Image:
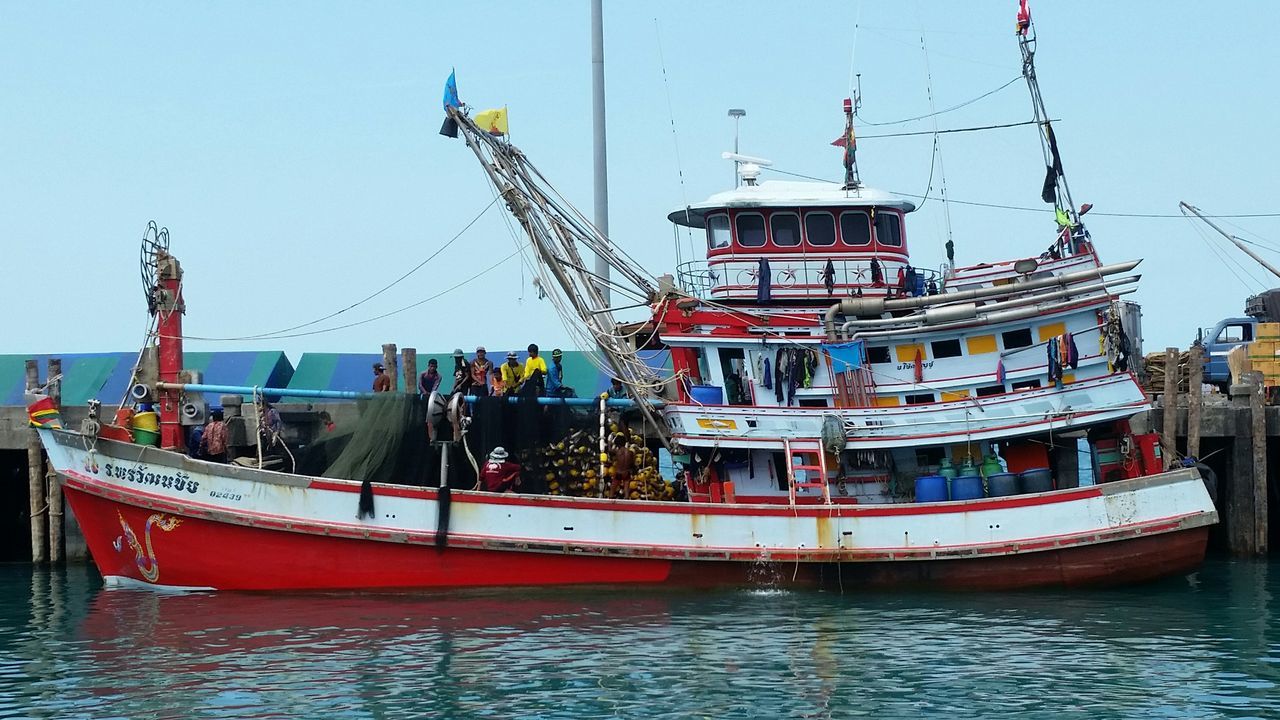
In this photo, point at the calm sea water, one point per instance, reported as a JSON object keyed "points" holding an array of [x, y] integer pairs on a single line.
{"points": [[1208, 646]]}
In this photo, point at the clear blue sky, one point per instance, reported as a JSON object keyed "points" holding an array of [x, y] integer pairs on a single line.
{"points": [[292, 148]]}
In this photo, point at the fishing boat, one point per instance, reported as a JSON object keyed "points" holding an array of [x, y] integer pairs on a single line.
{"points": [[836, 415]]}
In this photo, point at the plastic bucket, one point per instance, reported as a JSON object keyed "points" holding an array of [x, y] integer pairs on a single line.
{"points": [[146, 421], [1036, 481], [967, 487], [1002, 484], [146, 437], [707, 394], [931, 488]]}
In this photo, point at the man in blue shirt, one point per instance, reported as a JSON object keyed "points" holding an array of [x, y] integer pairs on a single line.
{"points": [[555, 375]]}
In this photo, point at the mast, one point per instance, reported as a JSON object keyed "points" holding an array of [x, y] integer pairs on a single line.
{"points": [[1055, 189], [598, 142], [850, 142], [1238, 243]]}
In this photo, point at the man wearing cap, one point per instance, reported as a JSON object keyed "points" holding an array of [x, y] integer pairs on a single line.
{"points": [[381, 380], [555, 376], [479, 371], [461, 373], [497, 475], [535, 372], [511, 374]]}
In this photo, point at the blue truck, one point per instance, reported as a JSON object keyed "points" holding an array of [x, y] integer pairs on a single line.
{"points": [[1227, 334]]}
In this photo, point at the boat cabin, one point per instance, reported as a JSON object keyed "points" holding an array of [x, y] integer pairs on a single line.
{"points": [[818, 240]]}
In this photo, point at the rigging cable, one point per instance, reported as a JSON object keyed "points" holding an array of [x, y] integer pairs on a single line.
{"points": [[937, 149], [393, 283], [1022, 208], [397, 311], [933, 113], [675, 142]]}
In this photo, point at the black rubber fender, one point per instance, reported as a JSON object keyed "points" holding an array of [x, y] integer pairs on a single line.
{"points": [[1210, 479]]}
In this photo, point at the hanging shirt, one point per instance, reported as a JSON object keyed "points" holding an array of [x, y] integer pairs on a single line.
{"points": [[214, 442]]}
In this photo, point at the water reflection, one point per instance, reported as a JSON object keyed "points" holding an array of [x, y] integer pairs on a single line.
{"points": [[1202, 648]]}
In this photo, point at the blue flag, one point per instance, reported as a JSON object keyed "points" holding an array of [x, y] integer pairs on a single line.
{"points": [[451, 92]]}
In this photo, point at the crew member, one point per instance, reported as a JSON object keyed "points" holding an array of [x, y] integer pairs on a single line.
{"points": [[535, 371], [616, 390], [624, 461], [429, 380], [381, 380], [512, 374], [213, 445], [461, 373], [555, 377], [497, 475], [480, 370]]}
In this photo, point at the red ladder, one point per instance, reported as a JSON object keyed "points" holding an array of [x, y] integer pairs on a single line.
{"points": [[816, 467]]}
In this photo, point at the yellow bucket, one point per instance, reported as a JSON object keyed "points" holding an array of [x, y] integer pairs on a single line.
{"points": [[146, 421]]}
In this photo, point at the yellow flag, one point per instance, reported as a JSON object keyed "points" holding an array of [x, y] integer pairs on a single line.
{"points": [[494, 121]]}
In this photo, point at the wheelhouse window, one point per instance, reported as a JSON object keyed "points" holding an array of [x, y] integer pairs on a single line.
{"points": [[1016, 338], [878, 354], [855, 228], [750, 230], [718, 235], [945, 348], [820, 229], [888, 229], [785, 228]]}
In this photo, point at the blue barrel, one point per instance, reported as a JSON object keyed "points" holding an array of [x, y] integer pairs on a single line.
{"points": [[1002, 484], [1035, 481], [931, 488], [707, 394], [967, 487]]}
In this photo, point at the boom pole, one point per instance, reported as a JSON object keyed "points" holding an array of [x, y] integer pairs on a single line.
{"points": [[1238, 243]]}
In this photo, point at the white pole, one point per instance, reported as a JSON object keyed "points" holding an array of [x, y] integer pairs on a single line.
{"points": [[601, 160]]}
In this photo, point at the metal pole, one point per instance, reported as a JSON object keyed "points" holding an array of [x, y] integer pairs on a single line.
{"points": [[601, 159], [1233, 239], [737, 114]]}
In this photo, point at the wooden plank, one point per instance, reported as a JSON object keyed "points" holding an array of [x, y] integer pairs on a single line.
{"points": [[35, 481], [53, 484], [409, 360], [1195, 401], [1258, 423], [1168, 435], [389, 362]]}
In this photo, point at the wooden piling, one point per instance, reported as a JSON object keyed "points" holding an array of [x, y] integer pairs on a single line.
{"points": [[1195, 400], [409, 359], [1168, 435], [35, 481], [1258, 422], [389, 362], [1238, 497], [54, 484]]}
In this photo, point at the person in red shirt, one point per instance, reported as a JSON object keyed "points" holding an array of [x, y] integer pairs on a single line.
{"points": [[381, 380], [213, 444], [497, 475]]}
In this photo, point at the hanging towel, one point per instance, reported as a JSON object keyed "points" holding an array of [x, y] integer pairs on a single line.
{"points": [[829, 277], [1000, 372], [780, 367], [764, 287], [877, 275], [1073, 354], [919, 374]]}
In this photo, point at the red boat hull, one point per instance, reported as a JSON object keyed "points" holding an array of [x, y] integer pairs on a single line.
{"points": [[133, 543]]}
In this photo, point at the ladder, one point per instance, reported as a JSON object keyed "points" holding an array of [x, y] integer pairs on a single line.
{"points": [[816, 467]]}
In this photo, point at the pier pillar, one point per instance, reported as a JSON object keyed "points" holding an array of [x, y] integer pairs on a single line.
{"points": [[1195, 400], [389, 362], [1169, 429], [409, 359], [54, 484], [1258, 426], [35, 480]]}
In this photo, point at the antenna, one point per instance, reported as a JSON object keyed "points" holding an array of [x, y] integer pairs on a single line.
{"points": [[737, 114]]}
